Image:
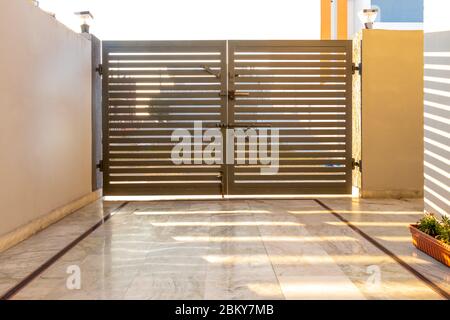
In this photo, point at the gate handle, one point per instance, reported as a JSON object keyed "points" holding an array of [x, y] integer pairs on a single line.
{"points": [[232, 94]]}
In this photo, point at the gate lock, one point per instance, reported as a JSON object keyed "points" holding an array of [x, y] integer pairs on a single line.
{"points": [[232, 94]]}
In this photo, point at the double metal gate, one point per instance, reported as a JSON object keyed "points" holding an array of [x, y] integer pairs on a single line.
{"points": [[299, 89]]}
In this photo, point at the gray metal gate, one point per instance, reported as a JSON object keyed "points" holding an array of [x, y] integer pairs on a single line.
{"points": [[301, 88], [149, 90]]}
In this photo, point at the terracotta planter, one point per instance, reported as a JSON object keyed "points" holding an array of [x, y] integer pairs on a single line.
{"points": [[431, 246]]}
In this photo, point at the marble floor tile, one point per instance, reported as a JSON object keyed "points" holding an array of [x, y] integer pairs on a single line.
{"points": [[22, 259], [387, 221], [235, 249], [314, 287]]}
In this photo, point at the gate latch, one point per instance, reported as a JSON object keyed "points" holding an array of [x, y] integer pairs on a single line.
{"points": [[222, 184], [356, 164], [211, 71], [100, 166]]}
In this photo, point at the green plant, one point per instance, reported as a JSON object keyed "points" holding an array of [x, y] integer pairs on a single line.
{"points": [[446, 222], [444, 236], [435, 228], [430, 225]]}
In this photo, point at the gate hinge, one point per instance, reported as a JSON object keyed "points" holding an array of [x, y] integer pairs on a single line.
{"points": [[100, 166], [356, 164], [357, 68], [99, 69]]}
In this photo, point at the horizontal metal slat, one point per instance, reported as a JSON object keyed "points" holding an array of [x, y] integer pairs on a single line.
{"points": [[311, 139], [165, 109], [163, 47], [309, 161], [173, 169], [147, 148], [165, 79], [160, 139], [306, 125], [255, 109], [162, 117], [171, 64], [286, 64], [259, 116], [289, 177], [143, 95], [310, 94], [161, 126], [290, 56], [299, 102], [162, 159], [305, 131], [315, 57], [311, 155], [164, 103], [195, 57], [161, 69], [167, 188], [144, 160], [281, 169], [161, 72], [299, 86], [282, 142], [134, 163], [317, 47], [305, 72], [318, 148], [149, 133], [185, 179], [132, 87], [156, 157], [324, 79], [143, 140], [282, 133]]}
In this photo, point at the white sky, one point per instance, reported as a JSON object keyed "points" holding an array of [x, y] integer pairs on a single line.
{"points": [[193, 19], [436, 15]]}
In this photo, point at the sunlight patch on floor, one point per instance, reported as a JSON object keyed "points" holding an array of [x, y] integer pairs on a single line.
{"points": [[308, 259], [265, 239]]}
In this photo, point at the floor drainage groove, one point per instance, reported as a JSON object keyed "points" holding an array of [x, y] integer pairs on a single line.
{"points": [[36, 273], [436, 288]]}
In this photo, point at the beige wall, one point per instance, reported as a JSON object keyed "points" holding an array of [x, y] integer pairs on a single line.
{"points": [[392, 113], [45, 115]]}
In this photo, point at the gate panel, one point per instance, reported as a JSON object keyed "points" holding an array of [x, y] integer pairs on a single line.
{"points": [[149, 90], [303, 89]]}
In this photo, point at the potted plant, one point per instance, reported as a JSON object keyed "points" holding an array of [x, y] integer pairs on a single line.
{"points": [[433, 237]]}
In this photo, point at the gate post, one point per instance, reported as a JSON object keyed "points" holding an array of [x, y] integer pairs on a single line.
{"points": [[96, 113]]}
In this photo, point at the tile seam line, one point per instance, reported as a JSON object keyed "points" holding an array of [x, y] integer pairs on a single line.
{"points": [[433, 286], [46, 265], [270, 260]]}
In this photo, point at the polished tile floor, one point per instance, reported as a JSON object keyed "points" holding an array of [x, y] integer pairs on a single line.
{"points": [[234, 249]]}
